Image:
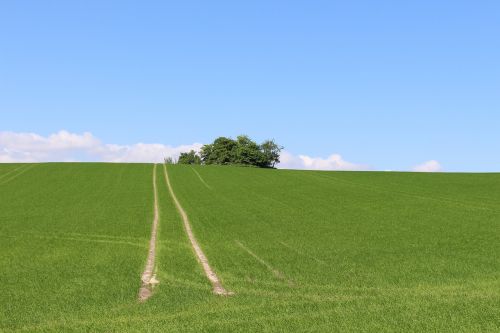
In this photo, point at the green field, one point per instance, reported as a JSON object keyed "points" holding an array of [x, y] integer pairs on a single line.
{"points": [[302, 250]]}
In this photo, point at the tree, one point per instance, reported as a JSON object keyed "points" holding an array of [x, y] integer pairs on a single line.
{"points": [[242, 151], [247, 152], [222, 151], [189, 158], [206, 154], [271, 151]]}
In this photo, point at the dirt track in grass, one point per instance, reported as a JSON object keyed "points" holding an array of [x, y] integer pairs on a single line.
{"points": [[148, 278], [217, 287]]}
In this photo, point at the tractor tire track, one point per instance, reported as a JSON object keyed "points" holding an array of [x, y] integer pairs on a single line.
{"points": [[148, 278], [217, 286], [5, 181], [13, 170], [201, 179], [277, 274]]}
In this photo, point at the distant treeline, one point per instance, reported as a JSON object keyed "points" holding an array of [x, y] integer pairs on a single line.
{"points": [[226, 151]]}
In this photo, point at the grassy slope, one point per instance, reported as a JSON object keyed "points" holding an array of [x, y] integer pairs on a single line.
{"points": [[370, 251], [73, 239]]}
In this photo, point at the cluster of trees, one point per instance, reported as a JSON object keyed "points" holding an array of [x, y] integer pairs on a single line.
{"points": [[242, 151]]}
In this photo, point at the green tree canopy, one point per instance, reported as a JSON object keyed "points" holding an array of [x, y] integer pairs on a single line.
{"points": [[242, 151], [271, 151], [189, 158]]}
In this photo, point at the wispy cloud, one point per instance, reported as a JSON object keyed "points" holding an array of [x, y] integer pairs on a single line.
{"points": [[332, 162], [65, 146], [429, 166]]}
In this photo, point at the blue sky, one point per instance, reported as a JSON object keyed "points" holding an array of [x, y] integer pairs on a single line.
{"points": [[385, 84]]}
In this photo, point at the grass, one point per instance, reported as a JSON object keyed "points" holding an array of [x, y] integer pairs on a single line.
{"points": [[302, 250], [72, 241]]}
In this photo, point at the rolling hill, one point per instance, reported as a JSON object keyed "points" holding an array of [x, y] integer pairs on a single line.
{"points": [[300, 250]]}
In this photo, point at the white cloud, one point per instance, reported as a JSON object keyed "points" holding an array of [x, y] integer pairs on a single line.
{"points": [[333, 162], [59, 141], [65, 146], [143, 152], [429, 166]]}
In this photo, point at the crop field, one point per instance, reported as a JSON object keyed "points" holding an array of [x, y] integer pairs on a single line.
{"points": [[300, 250]]}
